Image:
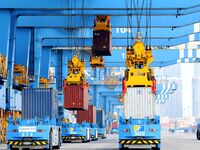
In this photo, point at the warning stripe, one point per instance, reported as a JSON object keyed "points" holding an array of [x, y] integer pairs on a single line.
{"points": [[38, 143], [32, 143], [44, 143], [139, 142], [69, 138]]}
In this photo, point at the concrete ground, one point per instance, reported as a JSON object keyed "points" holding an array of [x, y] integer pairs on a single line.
{"points": [[177, 141]]}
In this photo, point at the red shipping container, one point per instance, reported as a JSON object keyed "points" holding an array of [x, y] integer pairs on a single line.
{"points": [[76, 97], [88, 115], [115, 125]]}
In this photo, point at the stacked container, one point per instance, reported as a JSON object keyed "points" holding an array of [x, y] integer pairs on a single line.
{"points": [[39, 102], [16, 100], [88, 115], [100, 117], [76, 97], [3, 97], [139, 102]]}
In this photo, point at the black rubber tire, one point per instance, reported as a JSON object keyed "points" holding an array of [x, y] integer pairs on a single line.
{"points": [[198, 135]]}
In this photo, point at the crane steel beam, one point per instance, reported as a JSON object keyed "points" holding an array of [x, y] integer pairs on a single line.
{"points": [[171, 22], [64, 4], [118, 42], [45, 62], [23, 46]]}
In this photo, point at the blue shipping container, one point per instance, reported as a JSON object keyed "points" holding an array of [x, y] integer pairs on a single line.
{"points": [[100, 117], [39, 102], [16, 100], [2, 97]]}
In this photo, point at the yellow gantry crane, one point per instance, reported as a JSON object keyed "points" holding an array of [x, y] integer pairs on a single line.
{"points": [[76, 71], [102, 23], [3, 67], [97, 61], [44, 82], [21, 75], [138, 60]]}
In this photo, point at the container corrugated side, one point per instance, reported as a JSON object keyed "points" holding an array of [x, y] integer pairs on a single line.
{"points": [[76, 97], [2, 97], [100, 117], [16, 100], [87, 115], [139, 102], [39, 102]]}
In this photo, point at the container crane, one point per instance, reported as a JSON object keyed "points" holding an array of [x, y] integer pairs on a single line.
{"points": [[102, 41], [44, 82], [21, 75], [97, 61], [140, 126], [76, 74]]}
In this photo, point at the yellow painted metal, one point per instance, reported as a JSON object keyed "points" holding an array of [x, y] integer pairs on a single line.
{"points": [[76, 71], [4, 122], [44, 82], [66, 120], [138, 60], [97, 61], [102, 23], [21, 75], [3, 66]]}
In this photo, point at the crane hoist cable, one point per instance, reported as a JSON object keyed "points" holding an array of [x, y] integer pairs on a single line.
{"points": [[138, 14]]}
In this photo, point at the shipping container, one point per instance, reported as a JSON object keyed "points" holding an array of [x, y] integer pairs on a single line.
{"points": [[16, 100], [115, 124], [87, 115], [102, 43], [39, 102], [2, 97], [139, 102], [76, 97], [100, 117]]}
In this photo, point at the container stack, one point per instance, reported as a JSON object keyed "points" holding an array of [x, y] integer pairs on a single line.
{"points": [[76, 97], [100, 117], [87, 115]]}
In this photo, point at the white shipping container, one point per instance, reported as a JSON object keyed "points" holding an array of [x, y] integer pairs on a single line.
{"points": [[16, 100], [139, 102]]}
